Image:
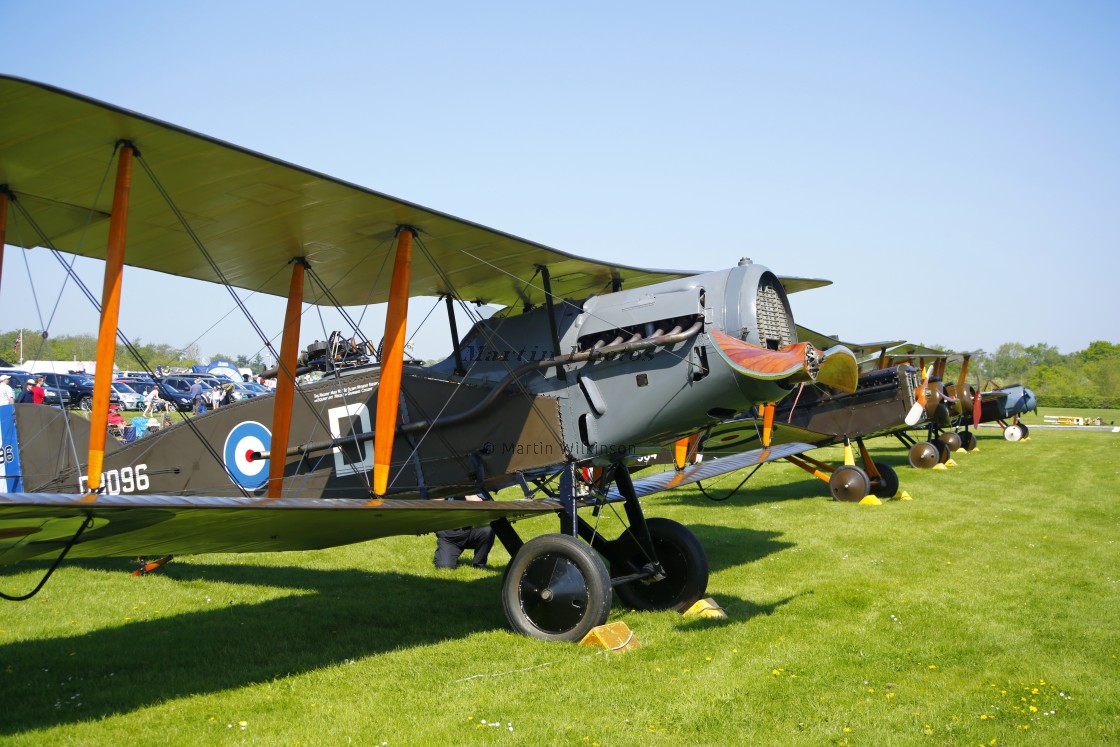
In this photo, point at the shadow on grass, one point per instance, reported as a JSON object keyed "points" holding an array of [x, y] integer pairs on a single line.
{"points": [[334, 616], [727, 547], [330, 617], [730, 490]]}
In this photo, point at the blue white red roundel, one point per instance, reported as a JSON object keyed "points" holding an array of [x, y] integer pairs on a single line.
{"points": [[244, 439]]}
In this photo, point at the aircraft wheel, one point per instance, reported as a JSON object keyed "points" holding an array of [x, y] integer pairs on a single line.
{"points": [[1026, 430], [924, 455], [849, 483], [682, 559], [887, 485], [86, 403], [968, 440], [556, 588], [943, 452], [1013, 432], [951, 439]]}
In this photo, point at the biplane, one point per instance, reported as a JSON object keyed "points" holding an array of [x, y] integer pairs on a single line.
{"points": [[588, 359]]}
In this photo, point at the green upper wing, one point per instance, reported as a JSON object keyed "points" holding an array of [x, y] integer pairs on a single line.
{"points": [[252, 213]]}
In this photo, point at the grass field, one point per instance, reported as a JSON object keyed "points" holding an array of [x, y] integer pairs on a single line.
{"points": [[984, 611]]}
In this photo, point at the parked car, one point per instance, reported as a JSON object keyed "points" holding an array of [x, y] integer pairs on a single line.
{"points": [[77, 387], [128, 398], [139, 383], [244, 391], [176, 390]]}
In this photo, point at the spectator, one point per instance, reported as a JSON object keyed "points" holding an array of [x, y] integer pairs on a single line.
{"points": [[7, 396], [196, 396], [216, 397], [26, 396], [151, 402], [38, 392]]}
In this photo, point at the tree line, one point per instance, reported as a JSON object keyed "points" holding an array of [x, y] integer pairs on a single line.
{"points": [[1088, 378], [147, 355]]}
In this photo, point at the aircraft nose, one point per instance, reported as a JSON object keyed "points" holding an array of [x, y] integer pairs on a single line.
{"points": [[791, 364]]}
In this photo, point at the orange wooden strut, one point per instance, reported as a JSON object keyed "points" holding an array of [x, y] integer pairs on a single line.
{"points": [[768, 410], [392, 363], [285, 382], [110, 312], [680, 452]]}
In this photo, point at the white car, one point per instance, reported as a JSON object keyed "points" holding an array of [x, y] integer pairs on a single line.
{"points": [[127, 397]]}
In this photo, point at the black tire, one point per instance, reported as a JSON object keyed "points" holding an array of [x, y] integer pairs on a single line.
{"points": [[968, 440], [923, 455], [1026, 430], [887, 484], [556, 588], [682, 558], [1013, 432], [86, 403], [943, 452], [849, 483], [951, 439]]}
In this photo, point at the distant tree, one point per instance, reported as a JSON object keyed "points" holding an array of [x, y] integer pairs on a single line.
{"points": [[1041, 354], [1099, 350], [1010, 361]]}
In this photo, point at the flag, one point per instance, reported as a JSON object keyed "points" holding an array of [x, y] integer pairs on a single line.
{"points": [[18, 343]]}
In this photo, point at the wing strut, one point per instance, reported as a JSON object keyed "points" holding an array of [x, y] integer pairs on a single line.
{"points": [[392, 362], [286, 380], [110, 311]]}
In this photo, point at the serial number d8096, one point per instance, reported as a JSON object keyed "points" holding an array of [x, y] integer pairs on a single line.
{"points": [[123, 480]]}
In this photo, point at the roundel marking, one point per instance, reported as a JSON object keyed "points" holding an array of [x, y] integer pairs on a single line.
{"points": [[244, 439], [729, 436]]}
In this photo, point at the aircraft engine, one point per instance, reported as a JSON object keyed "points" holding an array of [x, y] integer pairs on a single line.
{"points": [[643, 366]]}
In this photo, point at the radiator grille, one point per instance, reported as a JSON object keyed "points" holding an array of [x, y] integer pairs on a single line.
{"points": [[775, 328]]}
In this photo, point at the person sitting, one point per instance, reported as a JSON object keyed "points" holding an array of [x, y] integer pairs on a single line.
{"points": [[450, 543]]}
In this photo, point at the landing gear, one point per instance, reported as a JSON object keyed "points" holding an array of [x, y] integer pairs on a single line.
{"points": [[968, 440], [943, 452], [849, 483], [951, 439], [684, 568], [1015, 432], [924, 455], [887, 484], [556, 588]]}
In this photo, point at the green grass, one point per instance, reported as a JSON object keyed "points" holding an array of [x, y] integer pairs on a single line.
{"points": [[941, 620]]}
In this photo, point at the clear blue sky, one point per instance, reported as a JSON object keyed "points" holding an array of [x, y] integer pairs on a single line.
{"points": [[953, 167]]}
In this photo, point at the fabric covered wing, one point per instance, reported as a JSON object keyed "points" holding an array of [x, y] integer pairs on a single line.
{"points": [[39, 525], [709, 468], [253, 213]]}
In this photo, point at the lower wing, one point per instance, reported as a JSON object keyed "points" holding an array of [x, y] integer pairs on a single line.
{"points": [[41, 525], [710, 468]]}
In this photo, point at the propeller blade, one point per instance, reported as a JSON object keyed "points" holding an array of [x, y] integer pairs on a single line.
{"points": [[919, 407]]}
